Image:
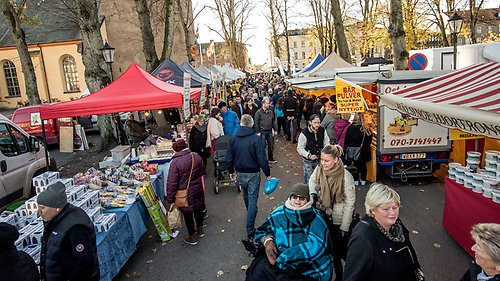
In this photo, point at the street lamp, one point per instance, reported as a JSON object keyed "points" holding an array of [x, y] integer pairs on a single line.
{"points": [[455, 23], [109, 55]]}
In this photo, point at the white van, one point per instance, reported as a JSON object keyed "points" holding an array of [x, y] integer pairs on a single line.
{"points": [[21, 158]]}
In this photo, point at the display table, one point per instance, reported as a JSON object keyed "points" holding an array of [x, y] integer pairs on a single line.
{"points": [[116, 246], [464, 208]]}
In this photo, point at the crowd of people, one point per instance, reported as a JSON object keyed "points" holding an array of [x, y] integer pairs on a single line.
{"points": [[309, 237]]}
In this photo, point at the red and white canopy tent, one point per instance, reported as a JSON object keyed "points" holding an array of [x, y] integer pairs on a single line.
{"points": [[134, 90], [467, 99]]}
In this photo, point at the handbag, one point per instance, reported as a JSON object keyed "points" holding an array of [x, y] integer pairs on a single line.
{"points": [[352, 153], [181, 195], [174, 217]]}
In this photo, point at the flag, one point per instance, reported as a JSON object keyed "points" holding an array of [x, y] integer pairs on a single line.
{"points": [[197, 35], [211, 49]]}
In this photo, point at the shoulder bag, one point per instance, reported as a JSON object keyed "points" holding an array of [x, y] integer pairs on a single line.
{"points": [[181, 196], [352, 152]]}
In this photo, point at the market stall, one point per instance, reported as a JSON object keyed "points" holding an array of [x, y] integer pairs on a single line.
{"points": [[467, 100]]}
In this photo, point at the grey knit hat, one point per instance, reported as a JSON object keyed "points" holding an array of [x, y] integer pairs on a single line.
{"points": [[54, 196], [301, 190]]}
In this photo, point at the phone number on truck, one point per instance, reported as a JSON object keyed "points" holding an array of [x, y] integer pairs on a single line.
{"points": [[417, 141]]}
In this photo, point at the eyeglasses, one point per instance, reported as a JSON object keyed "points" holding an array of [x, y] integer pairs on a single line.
{"points": [[298, 197]]}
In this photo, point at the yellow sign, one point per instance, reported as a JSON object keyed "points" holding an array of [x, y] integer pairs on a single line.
{"points": [[349, 97], [459, 135]]}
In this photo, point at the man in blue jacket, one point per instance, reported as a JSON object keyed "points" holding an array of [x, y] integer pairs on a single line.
{"points": [[246, 155], [231, 120]]}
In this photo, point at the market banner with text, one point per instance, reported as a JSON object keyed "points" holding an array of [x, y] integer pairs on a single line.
{"points": [[349, 97], [465, 119]]}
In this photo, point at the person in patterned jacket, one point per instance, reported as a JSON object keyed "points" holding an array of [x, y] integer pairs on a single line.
{"points": [[296, 241]]}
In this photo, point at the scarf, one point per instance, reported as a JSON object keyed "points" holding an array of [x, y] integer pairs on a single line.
{"points": [[330, 187], [201, 128], [289, 205], [395, 233]]}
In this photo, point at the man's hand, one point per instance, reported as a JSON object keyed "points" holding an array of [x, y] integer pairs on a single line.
{"points": [[271, 252], [269, 177], [274, 133], [258, 134], [314, 157], [233, 176]]}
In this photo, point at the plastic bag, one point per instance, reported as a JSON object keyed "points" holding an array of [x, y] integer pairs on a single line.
{"points": [[271, 185], [174, 217]]}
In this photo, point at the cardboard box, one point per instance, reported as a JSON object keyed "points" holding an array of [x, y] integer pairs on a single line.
{"points": [[45, 178], [104, 222], [9, 217], [120, 152], [31, 205]]}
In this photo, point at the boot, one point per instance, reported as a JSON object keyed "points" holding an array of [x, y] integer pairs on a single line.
{"points": [[191, 240], [199, 231]]}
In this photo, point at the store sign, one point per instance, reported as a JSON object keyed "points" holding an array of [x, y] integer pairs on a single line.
{"points": [[459, 135], [186, 93], [349, 97]]}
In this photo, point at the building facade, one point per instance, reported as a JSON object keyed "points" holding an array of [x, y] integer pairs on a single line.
{"points": [[303, 46]]}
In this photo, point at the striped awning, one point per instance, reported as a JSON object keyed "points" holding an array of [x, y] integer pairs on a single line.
{"points": [[467, 99]]}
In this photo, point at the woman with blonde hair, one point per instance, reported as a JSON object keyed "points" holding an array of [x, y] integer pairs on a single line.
{"points": [[486, 253], [333, 186], [359, 135], [380, 246]]}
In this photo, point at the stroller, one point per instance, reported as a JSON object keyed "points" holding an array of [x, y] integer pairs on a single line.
{"points": [[221, 175]]}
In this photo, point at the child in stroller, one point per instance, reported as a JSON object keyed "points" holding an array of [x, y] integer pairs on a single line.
{"points": [[221, 175]]}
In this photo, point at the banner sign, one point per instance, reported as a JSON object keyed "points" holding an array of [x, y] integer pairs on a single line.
{"points": [[455, 117], [186, 93], [349, 97], [203, 92], [459, 135]]}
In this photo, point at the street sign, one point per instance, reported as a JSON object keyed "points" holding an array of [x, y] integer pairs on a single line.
{"points": [[417, 61]]}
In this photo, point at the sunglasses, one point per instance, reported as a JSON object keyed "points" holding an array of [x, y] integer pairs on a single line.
{"points": [[298, 197]]}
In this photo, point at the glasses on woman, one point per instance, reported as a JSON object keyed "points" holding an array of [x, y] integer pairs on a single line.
{"points": [[298, 197]]}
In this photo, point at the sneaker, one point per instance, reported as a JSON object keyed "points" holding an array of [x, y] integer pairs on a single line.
{"points": [[191, 240], [272, 161], [363, 183], [199, 231], [356, 182]]}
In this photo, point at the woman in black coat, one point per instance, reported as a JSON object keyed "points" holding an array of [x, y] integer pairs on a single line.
{"points": [[380, 246], [359, 134], [14, 264], [198, 139]]}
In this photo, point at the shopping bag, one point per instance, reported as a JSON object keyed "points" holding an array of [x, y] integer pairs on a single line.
{"points": [[270, 185], [174, 217], [352, 153]]}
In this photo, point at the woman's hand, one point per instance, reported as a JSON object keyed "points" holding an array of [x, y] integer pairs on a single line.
{"points": [[271, 252]]}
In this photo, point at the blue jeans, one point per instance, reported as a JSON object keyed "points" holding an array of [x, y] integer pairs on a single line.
{"points": [[268, 139], [250, 184], [291, 128], [309, 167]]}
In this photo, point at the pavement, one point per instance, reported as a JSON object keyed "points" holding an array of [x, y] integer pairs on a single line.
{"points": [[220, 255]]}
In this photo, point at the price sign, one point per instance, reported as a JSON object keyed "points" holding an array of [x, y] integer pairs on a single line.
{"points": [[203, 92], [186, 93]]}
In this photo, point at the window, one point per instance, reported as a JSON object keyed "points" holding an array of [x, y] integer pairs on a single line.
{"points": [[479, 29], [12, 145], [303, 44], [303, 55], [70, 74], [10, 74], [295, 44]]}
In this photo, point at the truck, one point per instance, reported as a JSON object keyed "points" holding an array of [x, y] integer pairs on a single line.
{"points": [[407, 146]]}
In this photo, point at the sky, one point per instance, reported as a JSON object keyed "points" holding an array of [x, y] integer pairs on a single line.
{"points": [[258, 34]]}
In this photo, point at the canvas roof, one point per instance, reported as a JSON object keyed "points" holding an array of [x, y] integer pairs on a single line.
{"points": [[168, 71]]}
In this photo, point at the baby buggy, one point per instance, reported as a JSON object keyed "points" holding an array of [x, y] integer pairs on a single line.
{"points": [[221, 175]]}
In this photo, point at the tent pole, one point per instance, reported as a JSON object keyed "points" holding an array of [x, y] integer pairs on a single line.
{"points": [[47, 161]]}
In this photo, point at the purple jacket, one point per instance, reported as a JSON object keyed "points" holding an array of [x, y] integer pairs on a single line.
{"points": [[340, 131], [178, 176]]}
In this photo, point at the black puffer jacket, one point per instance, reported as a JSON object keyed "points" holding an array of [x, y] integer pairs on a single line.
{"points": [[17, 265]]}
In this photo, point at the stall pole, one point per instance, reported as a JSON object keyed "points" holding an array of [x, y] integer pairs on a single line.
{"points": [[47, 160]]}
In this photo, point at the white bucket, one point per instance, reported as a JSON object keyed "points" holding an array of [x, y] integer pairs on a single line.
{"points": [[469, 183], [491, 155], [490, 183], [477, 188], [478, 178], [487, 192], [474, 156], [490, 165], [495, 194], [491, 174], [460, 174]]}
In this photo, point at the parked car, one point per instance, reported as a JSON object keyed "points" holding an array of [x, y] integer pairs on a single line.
{"points": [[22, 157]]}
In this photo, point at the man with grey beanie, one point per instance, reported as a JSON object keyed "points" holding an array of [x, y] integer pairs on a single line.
{"points": [[69, 250]]}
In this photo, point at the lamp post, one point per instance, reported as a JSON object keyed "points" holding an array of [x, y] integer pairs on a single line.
{"points": [[455, 23], [109, 55]]}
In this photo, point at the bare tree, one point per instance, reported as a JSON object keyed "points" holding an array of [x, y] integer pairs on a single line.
{"points": [[273, 20], [282, 9], [187, 20], [474, 16], [397, 34], [436, 13], [340, 38], [233, 16], [12, 18], [148, 40], [322, 26], [168, 36]]}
